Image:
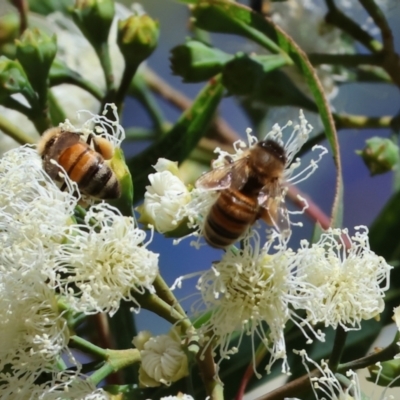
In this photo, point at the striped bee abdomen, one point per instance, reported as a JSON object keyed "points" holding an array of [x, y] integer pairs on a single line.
{"points": [[88, 169], [229, 218]]}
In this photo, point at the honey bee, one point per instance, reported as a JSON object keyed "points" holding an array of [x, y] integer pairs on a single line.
{"points": [[250, 188], [85, 166]]}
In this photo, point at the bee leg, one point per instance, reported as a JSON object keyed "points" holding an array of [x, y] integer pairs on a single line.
{"points": [[63, 187]]}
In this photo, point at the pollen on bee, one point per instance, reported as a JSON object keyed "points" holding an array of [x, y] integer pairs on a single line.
{"points": [[106, 148]]}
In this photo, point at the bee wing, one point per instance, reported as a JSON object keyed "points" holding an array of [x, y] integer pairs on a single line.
{"points": [[233, 175], [273, 208]]}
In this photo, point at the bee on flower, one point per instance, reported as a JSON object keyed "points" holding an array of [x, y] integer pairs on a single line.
{"points": [[241, 188]]}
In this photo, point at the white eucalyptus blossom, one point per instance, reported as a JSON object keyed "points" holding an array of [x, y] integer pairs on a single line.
{"points": [[164, 197], [202, 200], [179, 396], [163, 358], [67, 386], [105, 261], [246, 289], [33, 331], [20, 386], [346, 281], [34, 213]]}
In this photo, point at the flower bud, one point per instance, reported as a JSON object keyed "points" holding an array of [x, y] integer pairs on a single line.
{"points": [[9, 27], [242, 74], [13, 80], [385, 373], [36, 51], [94, 19], [137, 38], [163, 359], [194, 61], [380, 155]]}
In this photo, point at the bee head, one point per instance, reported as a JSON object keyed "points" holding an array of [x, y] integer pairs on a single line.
{"points": [[274, 149]]}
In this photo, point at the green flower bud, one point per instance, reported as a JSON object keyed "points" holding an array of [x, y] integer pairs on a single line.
{"points": [[380, 155], [94, 19], [242, 75], [195, 61], [36, 51], [9, 28], [386, 373], [137, 38], [13, 80]]}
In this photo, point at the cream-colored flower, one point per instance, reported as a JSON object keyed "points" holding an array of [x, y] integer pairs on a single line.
{"points": [[34, 213], [179, 396], [33, 332], [346, 281], [246, 289], [164, 197], [104, 261], [163, 359], [70, 386]]}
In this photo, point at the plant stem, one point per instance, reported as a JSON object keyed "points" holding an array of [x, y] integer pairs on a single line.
{"points": [[127, 77], [138, 88], [292, 389], [259, 356], [23, 8], [14, 132], [103, 52], [344, 121], [379, 18], [116, 361], [208, 372], [87, 347], [123, 330], [386, 354], [158, 306], [78, 81], [219, 130], [313, 211], [165, 293], [346, 60], [337, 18], [391, 59], [338, 347], [57, 114]]}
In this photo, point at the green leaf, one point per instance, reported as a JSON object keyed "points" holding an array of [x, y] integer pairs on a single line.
{"points": [[384, 232], [228, 17], [183, 137]]}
